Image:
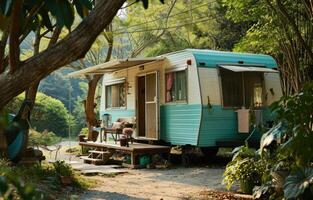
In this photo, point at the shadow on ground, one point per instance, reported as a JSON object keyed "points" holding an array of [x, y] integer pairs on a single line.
{"points": [[110, 195]]}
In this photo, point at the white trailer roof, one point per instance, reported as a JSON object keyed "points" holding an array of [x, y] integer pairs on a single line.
{"points": [[113, 66], [248, 69]]}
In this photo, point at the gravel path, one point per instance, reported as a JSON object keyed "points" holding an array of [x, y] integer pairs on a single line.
{"points": [[179, 183]]}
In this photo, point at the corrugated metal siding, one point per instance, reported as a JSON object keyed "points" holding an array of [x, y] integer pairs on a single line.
{"points": [[220, 124], [180, 123], [212, 58]]}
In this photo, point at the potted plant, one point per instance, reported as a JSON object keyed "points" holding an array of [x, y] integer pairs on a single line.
{"points": [[245, 168], [64, 171]]}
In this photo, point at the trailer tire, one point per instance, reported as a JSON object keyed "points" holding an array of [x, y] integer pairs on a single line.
{"points": [[209, 151]]}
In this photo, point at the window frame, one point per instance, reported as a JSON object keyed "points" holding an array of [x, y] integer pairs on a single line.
{"points": [[111, 83], [244, 91], [184, 101]]}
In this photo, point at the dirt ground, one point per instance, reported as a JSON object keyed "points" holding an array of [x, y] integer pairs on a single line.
{"points": [[177, 183], [199, 182]]}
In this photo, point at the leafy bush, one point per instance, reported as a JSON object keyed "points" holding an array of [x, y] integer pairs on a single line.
{"points": [[14, 188], [287, 149], [45, 138], [244, 167], [297, 113], [84, 131], [48, 114], [44, 178], [63, 169]]}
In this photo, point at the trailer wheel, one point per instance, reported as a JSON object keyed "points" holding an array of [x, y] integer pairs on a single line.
{"points": [[209, 151]]}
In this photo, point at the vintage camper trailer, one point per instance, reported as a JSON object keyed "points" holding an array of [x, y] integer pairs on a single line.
{"points": [[192, 97]]}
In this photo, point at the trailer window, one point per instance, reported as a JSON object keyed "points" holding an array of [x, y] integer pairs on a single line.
{"points": [[115, 95], [176, 86], [242, 89]]}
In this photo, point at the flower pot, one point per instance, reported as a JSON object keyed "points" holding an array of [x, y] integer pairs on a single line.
{"points": [[66, 180], [123, 142], [246, 186]]}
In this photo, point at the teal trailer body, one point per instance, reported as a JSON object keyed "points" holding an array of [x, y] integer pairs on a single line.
{"points": [[199, 115]]}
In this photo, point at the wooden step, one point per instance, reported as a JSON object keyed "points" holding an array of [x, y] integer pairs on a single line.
{"points": [[94, 161], [99, 152], [90, 159]]}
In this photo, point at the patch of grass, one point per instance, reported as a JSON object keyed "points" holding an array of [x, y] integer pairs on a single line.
{"points": [[45, 179]]}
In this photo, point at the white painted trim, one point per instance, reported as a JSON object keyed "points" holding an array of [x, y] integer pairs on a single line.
{"points": [[248, 68], [115, 81], [176, 69]]}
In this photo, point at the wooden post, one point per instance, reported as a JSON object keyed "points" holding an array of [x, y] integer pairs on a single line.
{"points": [[132, 159]]}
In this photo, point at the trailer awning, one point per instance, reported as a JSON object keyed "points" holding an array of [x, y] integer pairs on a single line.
{"points": [[248, 69], [113, 66]]}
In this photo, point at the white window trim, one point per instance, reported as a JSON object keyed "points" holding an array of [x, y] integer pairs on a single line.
{"points": [[114, 82], [176, 102]]}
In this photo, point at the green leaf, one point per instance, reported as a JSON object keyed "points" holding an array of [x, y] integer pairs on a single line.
{"points": [[45, 19], [145, 3], [62, 10], [86, 3], [8, 7], [82, 7], [296, 184], [3, 185]]}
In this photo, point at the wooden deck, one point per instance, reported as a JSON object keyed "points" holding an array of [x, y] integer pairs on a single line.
{"points": [[135, 149]]}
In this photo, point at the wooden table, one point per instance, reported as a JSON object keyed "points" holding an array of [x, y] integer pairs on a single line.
{"points": [[115, 132]]}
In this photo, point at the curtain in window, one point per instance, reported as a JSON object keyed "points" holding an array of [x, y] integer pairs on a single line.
{"points": [[115, 96], [181, 85], [122, 93], [253, 89], [108, 97], [169, 86]]}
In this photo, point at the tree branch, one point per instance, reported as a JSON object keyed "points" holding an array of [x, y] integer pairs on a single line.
{"points": [[151, 40], [14, 51], [3, 43], [55, 36], [282, 9], [72, 47], [31, 14], [31, 92]]}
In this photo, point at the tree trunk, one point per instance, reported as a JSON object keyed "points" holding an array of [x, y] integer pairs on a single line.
{"points": [[90, 105], [92, 86], [71, 48]]}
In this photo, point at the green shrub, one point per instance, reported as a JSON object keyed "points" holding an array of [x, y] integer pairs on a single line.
{"points": [[84, 131], [44, 178], [63, 169], [245, 167], [12, 185], [45, 138], [287, 149], [48, 114]]}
